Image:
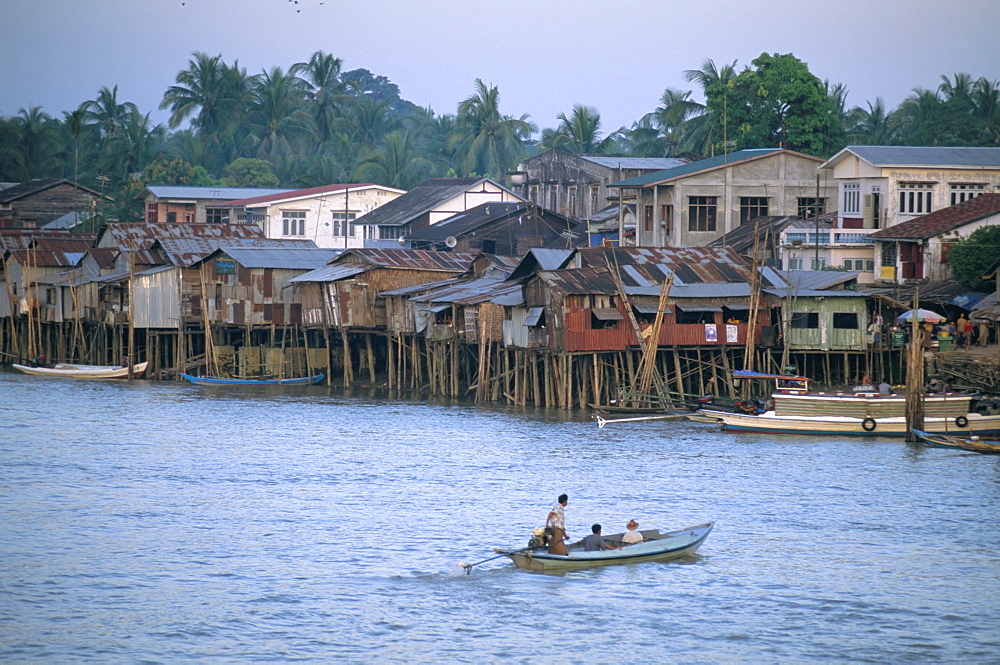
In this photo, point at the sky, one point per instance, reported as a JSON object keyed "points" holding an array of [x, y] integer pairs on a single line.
{"points": [[544, 56]]}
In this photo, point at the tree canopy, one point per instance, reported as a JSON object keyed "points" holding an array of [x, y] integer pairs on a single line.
{"points": [[971, 258]]}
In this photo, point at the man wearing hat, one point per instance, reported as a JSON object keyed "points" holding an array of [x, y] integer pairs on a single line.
{"points": [[632, 536]]}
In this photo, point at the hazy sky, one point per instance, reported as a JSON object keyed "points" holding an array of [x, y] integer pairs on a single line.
{"points": [[543, 55]]}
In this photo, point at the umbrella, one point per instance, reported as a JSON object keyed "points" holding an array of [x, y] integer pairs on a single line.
{"points": [[923, 316]]}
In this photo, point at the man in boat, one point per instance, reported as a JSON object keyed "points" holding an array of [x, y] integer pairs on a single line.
{"points": [[594, 542], [884, 388], [557, 521], [932, 387]]}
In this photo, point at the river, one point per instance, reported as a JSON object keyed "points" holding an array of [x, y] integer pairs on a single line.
{"points": [[162, 522]]}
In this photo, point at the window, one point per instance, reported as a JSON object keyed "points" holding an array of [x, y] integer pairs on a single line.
{"points": [[960, 193], [915, 198], [595, 199], [805, 320], [701, 213], [150, 213], [810, 207], [571, 201], [647, 219], [946, 248], [852, 199], [342, 223], [888, 254], [533, 194], [554, 197], [859, 265], [752, 206], [845, 320], [390, 232], [817, 264], [370, 231], [216, 215], [171, 217], [795, 264], [255, 218], [293, 222]]}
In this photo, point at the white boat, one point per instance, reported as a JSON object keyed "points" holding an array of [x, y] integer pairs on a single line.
{"points": [[71, 371], [796, 410], [656, 546]]}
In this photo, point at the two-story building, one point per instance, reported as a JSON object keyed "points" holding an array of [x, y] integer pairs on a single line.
{"points": [[185, 204], [693, 204], [326, 215], [879, 187]]}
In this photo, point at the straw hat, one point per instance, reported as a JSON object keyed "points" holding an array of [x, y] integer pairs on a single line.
{"points": [[632, 525]]}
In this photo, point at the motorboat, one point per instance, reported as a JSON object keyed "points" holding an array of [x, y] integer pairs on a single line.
{"points": [[971, 443], [223, 381]]}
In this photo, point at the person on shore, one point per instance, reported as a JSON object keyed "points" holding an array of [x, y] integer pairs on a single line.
{"points": [[594, 542], [961, 338], [556, 520], [632, 536], [984, 333]]}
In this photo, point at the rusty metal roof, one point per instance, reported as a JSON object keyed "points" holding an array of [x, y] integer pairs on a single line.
{"points": [[288, 258], [188, 251], [413, 259], [470, 292], [331, 273], [46, 259], [690, 265], [142, 236]]}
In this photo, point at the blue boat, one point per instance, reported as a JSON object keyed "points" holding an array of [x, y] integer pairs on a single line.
{"points": [[217, 381]]}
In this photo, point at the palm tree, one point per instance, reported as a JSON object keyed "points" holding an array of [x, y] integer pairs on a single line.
{"points": [[31, 147], [986, 100], [74, 123], [277, 119], [872, 126], [211, 91], [661, 133], [134, 146], [397, 163], [106, 114], [487, 142], [922, 119], [705, 130], [580, 133], [371, 119], [322, 73]]}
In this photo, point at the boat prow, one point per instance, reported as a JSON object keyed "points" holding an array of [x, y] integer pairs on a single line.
{"points": [[972, 444], [656, 546]]}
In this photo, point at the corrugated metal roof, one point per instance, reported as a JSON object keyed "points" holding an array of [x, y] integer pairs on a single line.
{"points": [[288, 258], [807, 279], [419, 259], [470, 292], [142, 236], [418, 201], [72, 277], [45, 259], [719, 161], [209, 193], [690, 265], [331, 273], [422, 288], [915, 156], [188, 251], [943, 220], [636, 163]]}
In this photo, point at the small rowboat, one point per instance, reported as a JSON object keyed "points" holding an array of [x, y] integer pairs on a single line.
{"points": [[656, 546], [66, 370], [972, 444], [219, 381]]}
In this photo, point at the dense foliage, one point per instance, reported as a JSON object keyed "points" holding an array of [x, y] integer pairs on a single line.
{"points": [[971, 258], [315, 124]]}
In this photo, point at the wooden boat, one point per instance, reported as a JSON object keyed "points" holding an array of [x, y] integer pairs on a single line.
{"points": [[656, 546], [221, 381], [795, 409], [972, 444], [66, 370], [771, 423]]}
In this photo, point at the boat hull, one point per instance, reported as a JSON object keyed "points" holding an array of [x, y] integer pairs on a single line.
{"points": [[768, 422], [69, 371], [216, 381], [959, 443], [659, 546]]}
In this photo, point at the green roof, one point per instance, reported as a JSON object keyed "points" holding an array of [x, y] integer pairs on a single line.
{"points": [[695, 167]]}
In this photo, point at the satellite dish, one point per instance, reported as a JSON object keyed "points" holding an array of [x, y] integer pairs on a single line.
{"points": [[402, 241], [450, 242]]}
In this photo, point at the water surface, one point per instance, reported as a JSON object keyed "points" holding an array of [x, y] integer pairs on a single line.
{"points": [[167, 522]]}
